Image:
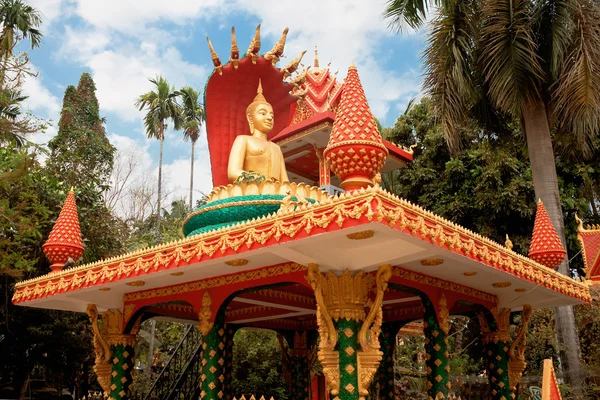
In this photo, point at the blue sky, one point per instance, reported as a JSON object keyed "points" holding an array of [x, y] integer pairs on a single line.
{"points": [[122, 43]]}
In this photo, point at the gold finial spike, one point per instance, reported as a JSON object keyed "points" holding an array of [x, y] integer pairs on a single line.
{"points": [[540, 201], [352, 66], [316, 63], [508, 243], [259, 90], [215, 58], [299, 79], [71, 190], [292, 66], [579, 223], [234, 57], [277, 50], [254, 45]]}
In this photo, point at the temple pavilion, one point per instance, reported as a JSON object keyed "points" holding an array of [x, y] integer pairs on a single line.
{"points": [[298, 237]]}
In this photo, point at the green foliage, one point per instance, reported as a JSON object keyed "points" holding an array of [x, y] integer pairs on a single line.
{"points": [[257, 365], [143, 235], [28, 198], [486, 188]]}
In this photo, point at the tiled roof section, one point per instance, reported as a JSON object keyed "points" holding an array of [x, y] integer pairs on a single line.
{"points": [[64, 241], [546, 247]]}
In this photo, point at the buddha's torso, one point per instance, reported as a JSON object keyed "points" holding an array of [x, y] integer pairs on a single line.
{"points": [[263, 157]]}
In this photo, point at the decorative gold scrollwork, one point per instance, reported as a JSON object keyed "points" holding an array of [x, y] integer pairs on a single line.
{"points": [[516, 353], [205, 314], [444, 314]]}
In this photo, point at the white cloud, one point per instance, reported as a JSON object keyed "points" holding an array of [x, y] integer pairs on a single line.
{"points": [[133, 16], [50, 9], [40, 99], [41, 102], [121, 74]]}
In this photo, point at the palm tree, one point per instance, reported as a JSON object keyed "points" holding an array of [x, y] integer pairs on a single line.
{"points": [[161, 105], [19, 21], [192, 114], [536, 62]]}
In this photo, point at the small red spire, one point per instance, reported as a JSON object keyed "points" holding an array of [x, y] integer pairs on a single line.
{"points": [[355, 152], [546, 247], [64, 241]]}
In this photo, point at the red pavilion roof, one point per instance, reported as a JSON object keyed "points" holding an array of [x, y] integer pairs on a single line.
{"points": [[589, 238]]}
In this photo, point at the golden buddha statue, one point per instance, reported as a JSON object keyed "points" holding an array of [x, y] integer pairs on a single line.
{"points": [[255, 153]]}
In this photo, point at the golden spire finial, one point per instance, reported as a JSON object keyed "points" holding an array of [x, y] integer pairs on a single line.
{"points": [[259, 93], [234, 57], [254, 45], [215, 58], [316, 64], [71, 190], [352, 66]]}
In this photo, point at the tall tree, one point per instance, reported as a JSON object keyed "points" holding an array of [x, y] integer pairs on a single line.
{"points": [[81, 154], [161, 105], [534, 61], [192, 114]]}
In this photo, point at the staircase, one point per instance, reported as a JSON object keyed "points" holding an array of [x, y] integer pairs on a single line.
{"points": [[180, 378]]}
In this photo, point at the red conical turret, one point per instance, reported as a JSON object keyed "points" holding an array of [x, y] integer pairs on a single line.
{"points": [[355, 152], [64, 241], [546, 247]]}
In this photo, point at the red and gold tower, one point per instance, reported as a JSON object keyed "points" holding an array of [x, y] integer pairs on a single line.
{"points": [[355, 152], [64, 242]]}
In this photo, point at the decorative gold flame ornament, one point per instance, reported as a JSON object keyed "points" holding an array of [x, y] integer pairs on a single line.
{"points": [[329, 358], [516, 362], [110, 335], [102, 366], [369, 358]]}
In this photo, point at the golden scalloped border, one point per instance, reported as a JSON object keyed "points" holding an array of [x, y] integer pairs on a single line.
{"points": [[265, 188]]}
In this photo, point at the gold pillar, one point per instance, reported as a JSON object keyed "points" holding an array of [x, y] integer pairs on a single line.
{"points": [[343, 324]]}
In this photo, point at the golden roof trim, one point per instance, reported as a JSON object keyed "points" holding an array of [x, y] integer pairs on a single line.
{"points": [[290, 222]]}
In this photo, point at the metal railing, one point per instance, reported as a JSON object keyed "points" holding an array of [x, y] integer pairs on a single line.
{"points": [[181, 374]]}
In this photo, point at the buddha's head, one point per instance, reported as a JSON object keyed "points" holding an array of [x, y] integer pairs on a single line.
{"points": [[260, 114]]}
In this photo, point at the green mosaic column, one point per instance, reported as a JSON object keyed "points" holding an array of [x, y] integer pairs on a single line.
{"points": [[347, 347], [213, 361], [436, 349], [228, 356], [300, 369], [496, 347], [385, 373], [122, 366]]}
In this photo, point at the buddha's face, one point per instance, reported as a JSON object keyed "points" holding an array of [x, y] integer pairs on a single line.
{"points": [[262, 118]]}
